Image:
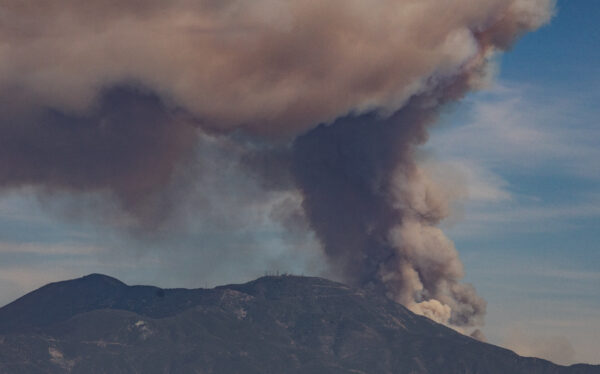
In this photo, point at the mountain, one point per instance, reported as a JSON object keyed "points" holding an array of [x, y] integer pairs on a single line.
{"points": [[275, 324]]}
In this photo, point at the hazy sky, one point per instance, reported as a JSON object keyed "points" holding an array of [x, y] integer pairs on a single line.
{"points": [[527, 147]]}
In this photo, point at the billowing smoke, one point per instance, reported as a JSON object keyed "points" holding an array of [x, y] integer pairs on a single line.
{"points": [[376, 211], [129, 143], [326, 98]]}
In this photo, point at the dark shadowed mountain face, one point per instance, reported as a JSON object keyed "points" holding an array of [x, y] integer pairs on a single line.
{"points": [[287, 324]]}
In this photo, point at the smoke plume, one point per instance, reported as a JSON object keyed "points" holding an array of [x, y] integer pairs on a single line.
{"points": [[326, 98]]}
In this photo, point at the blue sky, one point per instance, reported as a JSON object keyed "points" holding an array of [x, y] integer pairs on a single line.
{"points": [[527, 149], [529, 146]]}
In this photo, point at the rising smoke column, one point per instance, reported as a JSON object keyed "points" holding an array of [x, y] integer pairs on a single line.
{"points": [[111, 97], [376, 211]]}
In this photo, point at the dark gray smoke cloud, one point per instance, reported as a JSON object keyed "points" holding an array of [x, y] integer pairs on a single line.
{"points": [[371, 206], [256, 78], [128, 145]]}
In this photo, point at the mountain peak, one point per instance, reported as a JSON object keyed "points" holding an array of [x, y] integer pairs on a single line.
{"points": [[97, 277], [60, 300]]}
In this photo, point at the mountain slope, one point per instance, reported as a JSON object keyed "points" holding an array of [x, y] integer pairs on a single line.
{"points": [[97, 324]]}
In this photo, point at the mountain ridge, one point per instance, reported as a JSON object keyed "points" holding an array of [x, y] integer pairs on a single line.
{"points": [[274, 324]]}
